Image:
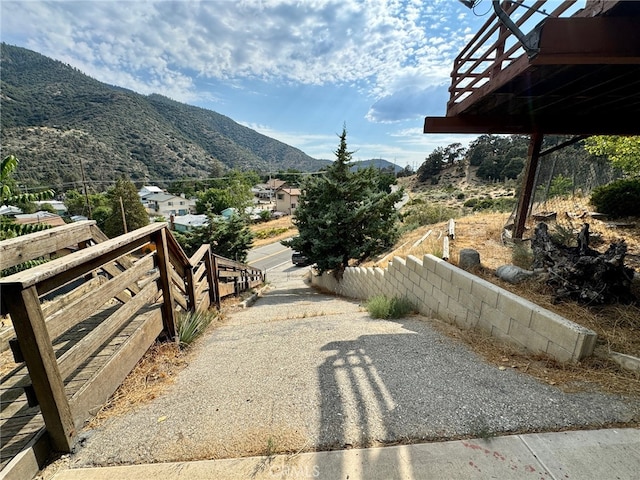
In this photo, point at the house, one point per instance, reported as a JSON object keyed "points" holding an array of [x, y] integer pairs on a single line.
{"points": [[9, 210], [287, 199], [267, 190], [46, 218], [148, 190], [165, 205], [59, 207], [229, 212], [186, 223]]}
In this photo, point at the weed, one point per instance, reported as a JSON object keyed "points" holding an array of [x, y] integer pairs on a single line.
{"points": [[480, 429], [271, 447], [380, 306], [192, 324]]}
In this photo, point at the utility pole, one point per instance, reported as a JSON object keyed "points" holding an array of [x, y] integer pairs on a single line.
{"points": [[124, 220], [84, 185]]}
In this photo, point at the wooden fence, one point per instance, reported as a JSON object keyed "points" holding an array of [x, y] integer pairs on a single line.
{"points": [[83, 320]]}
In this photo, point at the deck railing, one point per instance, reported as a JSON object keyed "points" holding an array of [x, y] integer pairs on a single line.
{"points": [[495, 47]]}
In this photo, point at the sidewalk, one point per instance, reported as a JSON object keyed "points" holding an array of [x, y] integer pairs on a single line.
{"points": [[583, 455]]}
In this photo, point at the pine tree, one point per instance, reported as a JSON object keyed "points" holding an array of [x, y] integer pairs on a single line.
{"points": [[344, 215], [230, 238], [135, 215]]}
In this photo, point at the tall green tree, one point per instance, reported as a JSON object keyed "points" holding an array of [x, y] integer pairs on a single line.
{"points": [[124, 195], [229, 238], [344, 215]]}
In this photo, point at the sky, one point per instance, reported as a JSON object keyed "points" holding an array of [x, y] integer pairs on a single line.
{"points": [[294, 70]]}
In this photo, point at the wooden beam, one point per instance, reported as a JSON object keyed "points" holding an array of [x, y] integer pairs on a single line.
{"points": [[476, 124], [63, 320], [533, 155], [61, 270], [164, 266], [77, 354], [17, 250], [589, 41], [29, 324]]}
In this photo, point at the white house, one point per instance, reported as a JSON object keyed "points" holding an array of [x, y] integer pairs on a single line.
{"points": [[165, 205], [185, 223], [148, 190], [267, 190]]}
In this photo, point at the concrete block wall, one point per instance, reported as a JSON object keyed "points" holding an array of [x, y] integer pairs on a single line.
{"points": [[438, 289]]}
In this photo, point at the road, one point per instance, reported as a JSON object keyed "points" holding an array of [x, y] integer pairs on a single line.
{"points": [[269, 256]]}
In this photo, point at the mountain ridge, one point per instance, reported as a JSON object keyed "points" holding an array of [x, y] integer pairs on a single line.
{"points": [[59, 121]]}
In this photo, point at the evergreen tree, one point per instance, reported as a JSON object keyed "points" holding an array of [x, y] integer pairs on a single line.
{"points": [[228, 238], [344, 215], [135, 214]]}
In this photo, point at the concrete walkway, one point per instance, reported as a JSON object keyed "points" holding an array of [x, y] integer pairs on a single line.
{"points": [[583, 455], [301, 371]]}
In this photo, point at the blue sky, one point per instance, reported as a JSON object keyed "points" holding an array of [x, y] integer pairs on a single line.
{"points": [[295, 70]]}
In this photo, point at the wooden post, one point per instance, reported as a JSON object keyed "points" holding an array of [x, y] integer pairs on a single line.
{"points": [[216, 280], [168, 306], [35, 344], [533, 155], [445, 248], [211, 277], [190, 287]]}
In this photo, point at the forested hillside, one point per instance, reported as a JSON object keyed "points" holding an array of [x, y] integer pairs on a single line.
{"points": [[57, 120]]}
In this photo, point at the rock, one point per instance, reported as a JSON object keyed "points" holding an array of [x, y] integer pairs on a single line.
{"points": [[469, 258], [513, 274]]}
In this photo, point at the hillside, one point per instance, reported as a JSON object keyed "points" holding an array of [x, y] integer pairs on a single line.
{"points": [[54, 117]]}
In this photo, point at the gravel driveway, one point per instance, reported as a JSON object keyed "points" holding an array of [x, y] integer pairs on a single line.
{"points": [[300, 370]]}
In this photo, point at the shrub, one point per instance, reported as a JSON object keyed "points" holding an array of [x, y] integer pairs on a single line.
{"points": [[428, 214], [380, 306], [192, 324], [617, 199]]}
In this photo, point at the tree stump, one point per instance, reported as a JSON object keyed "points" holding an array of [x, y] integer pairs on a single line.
{"points": [[582, 273]]}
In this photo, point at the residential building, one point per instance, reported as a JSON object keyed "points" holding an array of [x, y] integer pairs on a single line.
{"points": [[59, 207], [165, 205], [46, 218], [9, 210], [287, 199], [186, 223], [148, 190], [266, 191]]}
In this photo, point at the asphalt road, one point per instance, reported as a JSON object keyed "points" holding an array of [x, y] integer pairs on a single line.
{"points": [[269, 256]]}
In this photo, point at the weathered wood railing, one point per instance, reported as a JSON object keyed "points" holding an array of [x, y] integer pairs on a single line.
{"points": [[113, 298], [495, 47]]}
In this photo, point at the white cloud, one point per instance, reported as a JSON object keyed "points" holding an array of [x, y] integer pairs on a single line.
{"points": [[385, 46]]}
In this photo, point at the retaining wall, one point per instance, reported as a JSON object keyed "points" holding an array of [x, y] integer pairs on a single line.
{"points": [[439, 289]]}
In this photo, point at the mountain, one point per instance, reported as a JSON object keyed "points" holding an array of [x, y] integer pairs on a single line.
{"points": [[63, 124], [378, 163]]}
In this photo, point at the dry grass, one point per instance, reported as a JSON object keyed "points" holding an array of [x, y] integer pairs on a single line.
{"points": [[149, 378], [274, 225]]}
